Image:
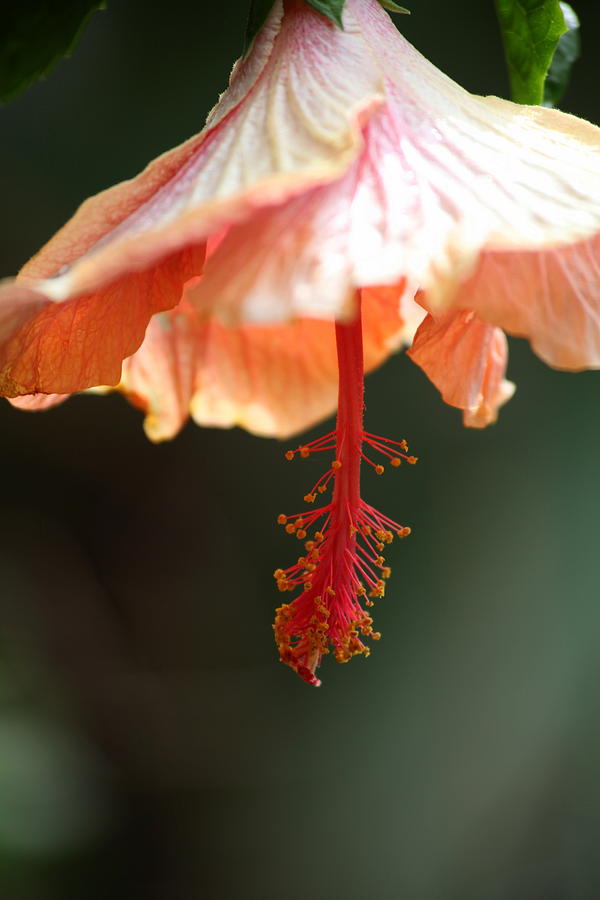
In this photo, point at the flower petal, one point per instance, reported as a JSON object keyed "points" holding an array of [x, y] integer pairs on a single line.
{"points": [[458, 174], [551, 297], [38, 402], [443, 177], [273, 381], [465, 358], [289, 120], [59, 348], [336, 160]]}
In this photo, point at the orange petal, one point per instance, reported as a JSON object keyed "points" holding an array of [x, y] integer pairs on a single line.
{"points": [[390, 316], [270, 380], [59, 348], [273, 381], [466, 359]]}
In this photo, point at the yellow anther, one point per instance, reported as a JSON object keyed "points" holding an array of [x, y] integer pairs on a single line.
{"points": [[379, 470], [289, 454], [404, 532], [336, 464], [309, 545], [319, 536], [404, 446], [322, 488], [304, 452], [282, 519], [412, 459], [375, 635], [369, 603], [309, 498], [290, 527], [386, 572], [330, 590], [278, 573], [378, 590], [395, 461], [301, 534]]}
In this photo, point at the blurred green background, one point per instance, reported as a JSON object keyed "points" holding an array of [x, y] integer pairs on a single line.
{"points": [[151, 746]]}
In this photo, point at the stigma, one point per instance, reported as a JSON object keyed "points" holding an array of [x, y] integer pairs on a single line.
{"points": [[341, 569]]}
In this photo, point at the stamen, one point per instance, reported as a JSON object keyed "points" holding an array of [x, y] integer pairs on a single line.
{"points": [[343, 566]]}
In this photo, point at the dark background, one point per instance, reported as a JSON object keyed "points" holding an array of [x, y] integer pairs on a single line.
{"points": [[151, 746]]}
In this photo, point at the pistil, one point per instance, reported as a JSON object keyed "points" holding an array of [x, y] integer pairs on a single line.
{"points": [[342, 566]]}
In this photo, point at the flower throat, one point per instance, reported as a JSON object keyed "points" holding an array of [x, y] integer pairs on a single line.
{"points": [[342, 568]]}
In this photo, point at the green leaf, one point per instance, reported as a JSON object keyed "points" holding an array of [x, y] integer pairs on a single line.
{"points": [[393, 7], [331, 8], [530, 30], [35, 35], [567, 52], [259, 11]]}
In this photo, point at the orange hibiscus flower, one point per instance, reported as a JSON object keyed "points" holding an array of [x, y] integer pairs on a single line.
{"points": [[250, 276]]}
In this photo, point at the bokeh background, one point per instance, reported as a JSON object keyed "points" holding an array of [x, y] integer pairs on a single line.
{"points": [[151, 746]]}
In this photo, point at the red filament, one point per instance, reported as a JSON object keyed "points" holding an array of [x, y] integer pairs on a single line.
{"points": [[341, 567]]}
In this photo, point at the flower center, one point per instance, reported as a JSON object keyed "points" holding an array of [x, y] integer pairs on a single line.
{"points": [[342, 567]]}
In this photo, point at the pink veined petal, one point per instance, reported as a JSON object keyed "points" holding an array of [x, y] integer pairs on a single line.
{"points": [[274, 380], [399, 211], [444, 175], [289, 120], [119, 209], [466, 359], [460, 173], [307, 256]]}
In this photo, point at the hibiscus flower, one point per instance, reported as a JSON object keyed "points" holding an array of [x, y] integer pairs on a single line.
{"points": [[250, 275]]}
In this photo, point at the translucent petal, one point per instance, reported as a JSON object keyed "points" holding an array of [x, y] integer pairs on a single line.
{"points": [[58, 348], [272, 380], [466, 359]]}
